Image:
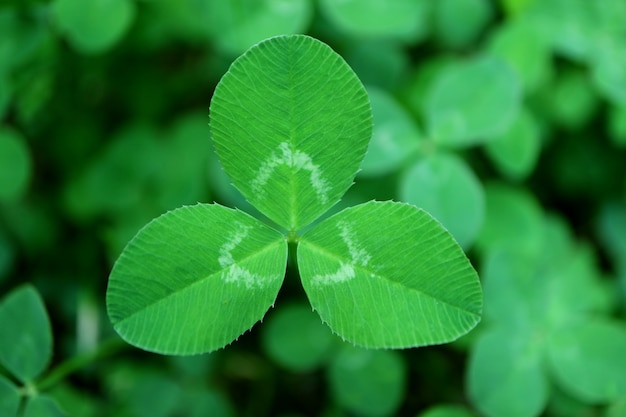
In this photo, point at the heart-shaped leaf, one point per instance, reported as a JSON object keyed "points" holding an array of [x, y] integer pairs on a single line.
{"points": [[25, 333], [388, 275], [238, 24], [195, 279], [471, 102], [367, 382], [505, 376], [42, 406], [445, 186], [291, 122], [94, 26]]}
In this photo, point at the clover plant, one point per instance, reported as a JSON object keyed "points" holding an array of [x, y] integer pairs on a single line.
{"points": [[545, 320], [27, 381], [25, 352], [291, 123]]}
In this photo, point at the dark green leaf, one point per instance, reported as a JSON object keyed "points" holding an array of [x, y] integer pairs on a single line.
{"points": [[617, 125], [95, 26], [573, 99], [203, 402], [15, 164], [295, 338], [6, 255], [25, 332], [370, 383], [612, 231], [474, 13], [9, 398], [42, 406], [381, 63], [6, 92], [156, 396], [447, 411]]}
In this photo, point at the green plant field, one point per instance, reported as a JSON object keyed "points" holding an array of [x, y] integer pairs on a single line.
{"points": [[355, 208]]}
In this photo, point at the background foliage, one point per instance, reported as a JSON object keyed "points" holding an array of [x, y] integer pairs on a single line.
{"points": [[504, 119]]}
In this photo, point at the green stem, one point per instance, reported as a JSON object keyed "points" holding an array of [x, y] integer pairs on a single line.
{"points": [[106, 348], [292, 241]]}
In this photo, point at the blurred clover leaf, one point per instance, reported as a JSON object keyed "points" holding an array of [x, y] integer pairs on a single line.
{"points": [[296, 339], [617, 125], [168, 175], [522, 45], [515, 152], [545, 321], [238, 24], [447, 411], [15, 164], [444, 185], [10, 397], [95, 26], [404, 20], [395, 138], [369, 383], [513, 221], [476, 15], [471, 102], [25, 323], [291, 124], [25, 353]]}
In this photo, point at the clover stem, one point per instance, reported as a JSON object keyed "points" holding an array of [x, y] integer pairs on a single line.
{"points": [[292, 241], [60, 372]]}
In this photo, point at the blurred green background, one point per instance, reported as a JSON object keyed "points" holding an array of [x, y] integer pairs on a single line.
{"points": [[504, 119]]}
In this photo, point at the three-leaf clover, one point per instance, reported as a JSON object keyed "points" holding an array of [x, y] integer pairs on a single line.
{"points": [[291, 124]]}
